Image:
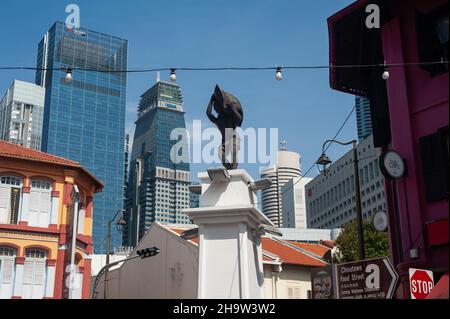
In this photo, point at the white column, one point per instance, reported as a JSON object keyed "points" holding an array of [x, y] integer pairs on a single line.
{"points": [[50, 282], [230, 256], [18, 281], [81, 215], [55, 210], [25, 206]]}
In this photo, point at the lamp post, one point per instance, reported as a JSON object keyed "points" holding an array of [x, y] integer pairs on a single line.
{"points": [[324, 160], [120, 223]]}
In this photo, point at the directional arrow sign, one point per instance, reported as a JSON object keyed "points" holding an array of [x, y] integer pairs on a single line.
{"points": [[366, 279]]}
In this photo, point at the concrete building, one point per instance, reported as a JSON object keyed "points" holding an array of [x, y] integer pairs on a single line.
{"points": [[158, 182], [173, 273], [22, 113], [294, 203], [288, 167], [37, 224], [330, 199], [310, 235]]}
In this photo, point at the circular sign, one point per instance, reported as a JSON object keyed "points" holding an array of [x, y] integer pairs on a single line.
{"points": [[380, 222], [392, 164]]}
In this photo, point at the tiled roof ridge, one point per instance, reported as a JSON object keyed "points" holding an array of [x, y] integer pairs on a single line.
{"points": [[63, 161], [304, 251]]}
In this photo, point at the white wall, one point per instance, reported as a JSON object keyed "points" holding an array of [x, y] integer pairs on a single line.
{"points": [[293, 282], [172, 274]]}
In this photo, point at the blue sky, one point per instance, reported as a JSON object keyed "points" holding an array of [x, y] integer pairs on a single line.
{"points": [[211, 33]]}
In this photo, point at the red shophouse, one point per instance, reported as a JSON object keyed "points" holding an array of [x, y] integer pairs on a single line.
{"points": [[410, 114]]}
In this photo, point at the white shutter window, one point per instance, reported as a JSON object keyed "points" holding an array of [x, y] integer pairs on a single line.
{"points": [[39, 272], [5, 200], [44, 208], [7, 270], [34, 208], [28, 272]]}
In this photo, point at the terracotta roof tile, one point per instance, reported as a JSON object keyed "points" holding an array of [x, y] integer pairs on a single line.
{"points": [[11, 150], [316, 249], [288, 254], [179, 231]]}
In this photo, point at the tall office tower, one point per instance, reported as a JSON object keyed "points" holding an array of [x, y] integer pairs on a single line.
{"points": [[288, 167], [294, 203], [159, 177], [21, 114], [330, 199], [363, 117], [84, 119]]}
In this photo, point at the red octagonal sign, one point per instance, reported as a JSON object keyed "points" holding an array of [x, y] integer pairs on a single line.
{"points": [[420, 283]]}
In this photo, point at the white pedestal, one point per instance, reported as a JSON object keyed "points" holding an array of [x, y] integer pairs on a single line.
{"points": [[230, 256]]}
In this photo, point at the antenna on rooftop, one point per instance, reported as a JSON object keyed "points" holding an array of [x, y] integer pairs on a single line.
{"points": [[158, 77], [283, 145]]}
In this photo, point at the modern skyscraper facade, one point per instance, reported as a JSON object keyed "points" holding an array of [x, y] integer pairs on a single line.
{"points": [[21, 114], [363, 117], [294, 203], [288, 167], [84, 119], [159, 179], [330, 198]]}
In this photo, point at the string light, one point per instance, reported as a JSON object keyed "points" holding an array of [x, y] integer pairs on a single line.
{"points": [[278, 74], [69, 76], [278, 70], [385, 74], [173, 75]]}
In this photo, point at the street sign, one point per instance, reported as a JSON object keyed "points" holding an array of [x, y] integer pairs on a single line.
{"points": [[421, 282], [366, 279], [392, 165], [322, 282], [380, 221]]}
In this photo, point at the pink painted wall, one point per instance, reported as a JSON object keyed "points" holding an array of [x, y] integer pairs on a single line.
{"points": [[418, 105]]}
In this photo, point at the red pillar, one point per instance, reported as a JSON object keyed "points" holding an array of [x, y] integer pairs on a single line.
{"points": [[85, 293]]}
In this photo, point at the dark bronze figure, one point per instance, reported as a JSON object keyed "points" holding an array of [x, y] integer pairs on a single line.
{"points": [[229, 116]]}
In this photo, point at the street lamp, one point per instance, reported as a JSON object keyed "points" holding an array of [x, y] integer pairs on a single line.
{"points": [[324, 160], [119, 224]]}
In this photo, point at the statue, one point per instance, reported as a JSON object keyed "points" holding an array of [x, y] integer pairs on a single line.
{"points": [[229, 116]]}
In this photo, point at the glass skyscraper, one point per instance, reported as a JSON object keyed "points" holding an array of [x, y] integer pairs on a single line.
{"points": [[84, 119], [363, 117], [159, 179]]}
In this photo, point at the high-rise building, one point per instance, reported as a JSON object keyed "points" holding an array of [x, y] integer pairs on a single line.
{"points": [[159, 179], [288, 167], [84, 118], [21, 114], [363, 117], [294, 203], [330, 199]]}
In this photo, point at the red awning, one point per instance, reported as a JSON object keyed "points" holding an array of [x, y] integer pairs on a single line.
{"points": [[440, 291]]}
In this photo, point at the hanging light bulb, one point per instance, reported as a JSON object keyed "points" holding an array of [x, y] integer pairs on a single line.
{"points": [[385, 74], [69, 72], [278, 74], [173, 75]]}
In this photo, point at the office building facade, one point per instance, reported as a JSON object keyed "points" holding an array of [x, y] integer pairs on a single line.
{"points": [[159, 178], [84, 119], [363, 117], [293, 203], [330, 197], [288, 167], [21, 114]]}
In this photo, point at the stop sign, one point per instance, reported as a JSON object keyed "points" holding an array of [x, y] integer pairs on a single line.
{"points": [[420, 283]]}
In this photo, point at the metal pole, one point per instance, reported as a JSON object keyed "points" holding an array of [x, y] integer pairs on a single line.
{"points": [[74, 241], [359, 219], [108, 243]]}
